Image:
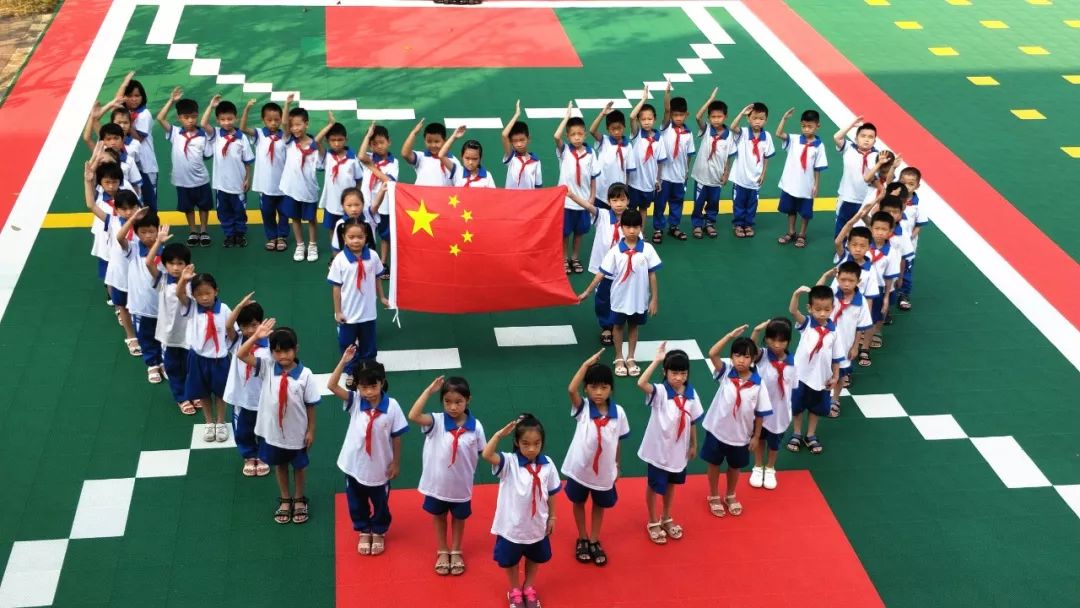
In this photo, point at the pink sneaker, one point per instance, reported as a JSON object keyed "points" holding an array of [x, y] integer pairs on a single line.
{"points": [[531, 601], [514, 598]]}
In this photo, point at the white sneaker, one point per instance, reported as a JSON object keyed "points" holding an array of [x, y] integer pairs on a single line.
{"points": [[209, 433], [222, 433], [770, 478], [756, 475], [298, 255], [312, 252]]}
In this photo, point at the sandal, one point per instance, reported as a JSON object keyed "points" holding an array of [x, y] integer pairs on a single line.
{"points": [[187, 408], [271, 245], [300, 510], [204, 239], [153, 375], [575, 265], [281, 244], [283, 515], [261, 468], [876, 341], [133, 347], [672, 529], [733, 505], [581, 551], [697, 232], [632, 368], [193, 239], [566, 265], [677, 234], [363, 547], [787, 238], [249, 468], [795, 443], [606, 339], [597, 552], [657, 237], [739, 232], [800, 241], [378, 544], [442, 563], [457, 563], [620, 368], [656, 533], [864, 358], [903, 302], [834, 409], [716, 507], [748, 232], [710, 231], [814, 445]]}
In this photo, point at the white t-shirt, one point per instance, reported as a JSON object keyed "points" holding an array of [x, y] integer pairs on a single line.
{"points": [[596, 440], [480, 179], [735, 405], [648, 162], [269, 161], [814, 362], [298, 177], [340, 172], [679, 143], [886, 261], [630, 290], [132, 147], [116, 274], [850, 318], [712, 157], [99, 248], [747, 167], [243, 388], [130, 169], [868, 280], [371, 185], [449, 464], [779, 388], [852, 185], [284, 425], [523, 172], [232, 154], [366, 460], [142, 288], [667, 435], [358, 302], [430, 170], [172, 324], [142, 120], [797, 179], [521, 512], [216, 345], [608, 234], [189, 148], [615, 162], [577, 170]]}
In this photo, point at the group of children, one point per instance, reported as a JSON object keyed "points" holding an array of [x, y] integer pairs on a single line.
{"points": [[213, 355]]}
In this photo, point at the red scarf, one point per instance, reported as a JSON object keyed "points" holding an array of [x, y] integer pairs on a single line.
{"points": [[304, 153], [283, 399], [840, 311], [615, 233], [600, 423], [680, 402], [779, 366], [865, 162], [372, 415], [577, 164], [274, 138], [361, 274], [472, 179], [754, 141], [229, 139], [537, 491], [337, 165], [679, 132], [629, 264], [380, 164], [622, 161], [822, 331], [649, 151], [456, 433], [187, 139], [739, 384], [806, 149], [525, 160], [715, 141], [211, 331]]}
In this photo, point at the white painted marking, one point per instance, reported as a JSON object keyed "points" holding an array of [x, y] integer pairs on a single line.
{"points": [[678, 77], [635, 93], [713, 31], [32, 573], [103, 508], [322, 380], [162, 463], [330, 104], [596, 104], [845, 392], [283, 95], [183, 51], [1011, 463], [658, 86], [646, 349], [694, 66], [167, 19], [943, 426], [474, 123], [197, 442], [230, 79], [1070, 494], [879, 406], [707, 51], [392, 114], [550, 112], [205, 67], [422, 359], [535, 335], [258, 87]]}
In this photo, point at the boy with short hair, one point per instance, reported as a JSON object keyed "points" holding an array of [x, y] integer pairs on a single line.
{"points": [[852, 319], [522, 166], [753, 149], [127, 146], [680, 142], [817, 362], [171, 331], [886, 259], [341, 170], [614, 154], [112, 136], [649, 152], [142, 288], [231, 177], [857, 156], [380, 167], [269, 162], [190, 145], [578, 171], [429, 169], [299, 183], [802, 173], [914, 220], [711, 166], [609, 232]]}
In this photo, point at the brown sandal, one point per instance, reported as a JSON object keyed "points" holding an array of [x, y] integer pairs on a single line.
{"points": [[787, 238], [800, 241]]}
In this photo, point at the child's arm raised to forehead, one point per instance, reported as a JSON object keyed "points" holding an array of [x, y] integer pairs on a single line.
{"points": [[204, 122], [244, 119], [120, 92], [562, 126], [334, 382], [89, 179], [839, 136], [244, 353], [643, 382], [667, 105], [793, 306], [230, 321], [416, 412], [151, 255], [715, 353], [407, 147], [182, 284], [735, 128], [705, 108], [444, 152], [594, 128], [759, 330], [91, 122], [507, 146], [574, 389], [634, 124], [321, 135], [122, 235], [826, 276], [783, 121], [285, 110], [490, 452], [163, 113], [362, 153]]}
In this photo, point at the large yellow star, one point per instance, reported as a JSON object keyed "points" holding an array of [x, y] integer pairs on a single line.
{"points": [[467, 236], [467, 215], [422, 219], [453, 202], [454, 250]]}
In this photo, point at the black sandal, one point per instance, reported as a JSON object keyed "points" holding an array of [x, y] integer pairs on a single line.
{"points": [[204, 239], [606, 338], [800, 241], [864, 358], [300, 510], [575, 265], [795, 443], [697, 232], [582, 551], [597, 552], [710, 231], [657, 237], [786, 238], [677, 234], [834, 409], [193, 239], [812, 443], [283, 515]]}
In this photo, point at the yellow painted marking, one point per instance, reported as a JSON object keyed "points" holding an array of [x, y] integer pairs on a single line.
{"points": [[1072, 22], [995, 25], [944, 51], [878, 2], [1028, 114], [1072, 78], [1073, 151], [1040, 2], [959, 2], [908, 25], [983, 81], [1033, 50]]}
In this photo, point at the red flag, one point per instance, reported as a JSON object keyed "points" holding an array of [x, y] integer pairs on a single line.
{"points": [[460, 250]]}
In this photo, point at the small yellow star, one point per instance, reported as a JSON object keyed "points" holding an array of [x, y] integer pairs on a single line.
{"points": [[422, 219], [454, 250], [467, 215], [454, 201], [467, 236]]}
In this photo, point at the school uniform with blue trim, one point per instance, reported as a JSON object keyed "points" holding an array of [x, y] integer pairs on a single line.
{"points": [[480, 178], [299, 181], [450, 455], [266, 180], [667, 435], [142, 300], [850, 317], [615, 162], [282, 421], [853, 186], [779, 378], [886, 261], [356, 276], [430, 171], [171, 333], [340, 171], [366, 453], [231, 156], [608, 234], [243, 389], [869, 280], [208, 349], [521, 510], [116, 274], [189, 174], [819, 348], [680, 142], [590, 466], [752, 151], [523, 171], [629, 269], [717, 145], [914, 217], [729, 423], [649, 153], [142, 121], [805, 158], [371, 186], [577, 170]]}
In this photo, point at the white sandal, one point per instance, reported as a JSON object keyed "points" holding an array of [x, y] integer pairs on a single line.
{"points": [[153, 375], [620, 368], [133, 347], [656, 533], [716, 505]]}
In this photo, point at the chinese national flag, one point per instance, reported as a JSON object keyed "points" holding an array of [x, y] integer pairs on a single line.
{"points": [[459, 250]]}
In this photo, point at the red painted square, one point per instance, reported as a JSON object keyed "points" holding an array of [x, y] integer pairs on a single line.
{"points": [[446, 37]]}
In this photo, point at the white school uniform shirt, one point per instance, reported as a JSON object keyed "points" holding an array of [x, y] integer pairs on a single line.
{"points": [[901, 240], [231, 155], [615, 163], [142, 120], [712, 156], [590, 460], [188, 151], [366, 460], [779, 378], [449, 457], [523, 171], [198, 319], [283, 425], [430, 170], [339, 173], [629, 269], [479, 179], [679, 142], [269, 161], [298, 177], [99, 247], [371, 185], [133, 147], [649, 153], [735, 405], [577, 170], [243, 388], [850, 318], [797, 179], [142, 288], [852, 185], [116, 274], [608, 234], [814, 363], [521, 510], [130, 170], [664, 445], [172, 324], [886, 261], [358, 302], [869, 280], [747, 167]]}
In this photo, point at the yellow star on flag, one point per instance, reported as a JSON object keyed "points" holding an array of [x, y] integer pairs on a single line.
{"points": [[467, 215], [453, 202], [467, 236], [454, 250], [422, 219]]}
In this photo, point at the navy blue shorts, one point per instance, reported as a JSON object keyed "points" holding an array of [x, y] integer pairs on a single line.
{"points": [[458, 510], [792, 205], [577, 493], [119, 298], [190, 199], [846, 371], [508, 554], [715, 452], [804, 398], [620, 319], [275, 456], [206, 376], [771, 439], [875, 308], [640, 199], [102, 267], [575, 221], [384, 228], [298, 210], [659, 479], [330, 219]]}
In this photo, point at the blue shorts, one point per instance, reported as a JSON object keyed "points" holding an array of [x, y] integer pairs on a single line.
{"points": [[715, 452], [575, 221], [330, 219], [190, 199], [102, 267], [640, 199], [577, 493], [876, 315], [384, 228], [846, 371], [119, 298], [275, 456], [620, 319], [508, 554], [790, 205], [804, 398], [458, 510], [771, 439], [659, 479], [206, 376], [298, 210]]}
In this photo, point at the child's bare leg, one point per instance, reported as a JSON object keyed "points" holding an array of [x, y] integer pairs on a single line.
{"points": [[204, 218], [440, 530], [771, 462], [384, 252], [567, 246], [125, 322], [597, 522], [219, 409], [512, 576], [297, 233], [632, 340], [530, 572], [669, 499], [811, 428], [300, 478], [577, 247], [650, 502], [791, 223], [758, 449], [713, 473], [803, 226], [207, 404], [190, 217], [617, 338], [457, 531], [579, 520], [732, 480], [796, 424], [312, 232], [281, 473]]}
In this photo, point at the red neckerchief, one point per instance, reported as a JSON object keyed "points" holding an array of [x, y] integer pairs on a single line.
{"points": [[337, 165], [379, 164], [876, 255], [649, 151], [211, 331], [629, 263], [622, 161], [615, 233], [187, 140], [679, 132], [283, 399], [754, 141], [806, 148], [577, 163], [822, 331], [372, 413], [537, 492], [247, 368], [680, 402], [361, 273], [229, 139], [779, 366], [865, 161], [456, 433], [739, 384], [715, 141], [472, 179], [525, 159], [600, 423], [274, 138], [304, 153]]}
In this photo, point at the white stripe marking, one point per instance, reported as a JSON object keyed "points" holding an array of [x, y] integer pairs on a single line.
{"points": [[230, 79], [422, 359], [205, 67], [879, 406], [694, 66], [474, 123], [1011, 463], [707, 51], [330, 104], [678, 77], [646, 349], [258, 87], [283, 95], [197, 442], [635, 93], [32, 573], [103, 508], [162, 463], [596, 104], [535, 335], [658, 86], [167, 19], [550, 112], [938, 427], [1071, 495], [394, 114], [713, 31], [183, 51]]}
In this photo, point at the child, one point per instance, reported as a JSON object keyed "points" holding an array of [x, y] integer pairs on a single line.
{"points": [[776, 367], [171, 330], [852, 319], [380, 167], [670, 440], [802, 173], [113, 137], [285, 424], [232, 170], [914, 220], [711, 167], [189, 175], [430, 171], [142, 296], [121, 117], [472, 173], [269, 164], [852, 244], [342, 171], [208, 340], [753, 151], [243, 387], [453, 440], [734, 419], [108, 177], [817, 363], [680, 142], [525, 508], [352, 205], [299, 184], [858, 157], [522, 166], [142, 123], [609, 232], [592, 462], [578, 171], [649, 152], [354, 288], [614, 153], [371, 453], [881, 173]]}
